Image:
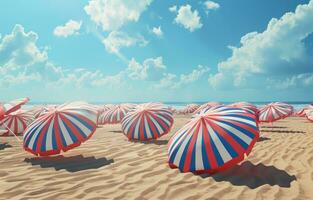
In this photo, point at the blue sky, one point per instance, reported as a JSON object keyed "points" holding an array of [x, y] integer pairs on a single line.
{"points": [[149, 50]]}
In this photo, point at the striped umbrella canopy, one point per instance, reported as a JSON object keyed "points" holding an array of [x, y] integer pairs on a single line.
{"points": [[16, 122], [190, 108], [36, 111], [61, 129], [101, 116], [12, 106], [148, 121], [115, 114], [214, 140], [207, 106], [309, 115], [301, 112], [246, 106], [275, 111]]}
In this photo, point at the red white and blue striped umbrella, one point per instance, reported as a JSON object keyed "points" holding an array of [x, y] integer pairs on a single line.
{"points": [[12, 106], [206, 106], [214, 140], [148, 121], [246, 106], [115, 114], [190, 108], [16, 122], [61, 129], [275, 111], [36, 111], [309, 114]]}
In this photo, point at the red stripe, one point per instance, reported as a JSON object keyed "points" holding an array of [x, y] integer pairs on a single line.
{"points": [[190, 149], [208, 145]]}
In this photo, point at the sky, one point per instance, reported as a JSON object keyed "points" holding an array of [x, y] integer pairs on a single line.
{"points": [[152, 50]]}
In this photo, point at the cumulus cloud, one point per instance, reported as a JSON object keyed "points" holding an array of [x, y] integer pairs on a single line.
{"points": [[278, 51], [157, 31], [19, 49], [113, 14], [173, 81], [187, 18], [117, 40], [211, 5], [151, 69], [70, 28]]}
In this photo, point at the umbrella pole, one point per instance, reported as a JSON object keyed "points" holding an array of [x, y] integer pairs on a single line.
{"points": [[18, 139]]}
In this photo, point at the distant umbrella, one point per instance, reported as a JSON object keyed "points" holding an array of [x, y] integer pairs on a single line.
{"points": [[246, 106], [148, 121], [60, 129], [190, 108], [214, 140], [309, 115], [12, 106], [115, 114], [275, 111], [206, 106], [17, 122]]}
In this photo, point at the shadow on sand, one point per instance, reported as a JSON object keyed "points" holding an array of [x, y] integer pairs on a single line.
{"points": [[70, 164], [261, 139], [253, 176], [116, 131], [4, 146], [283, 131], [274, 127], [156, 142]]}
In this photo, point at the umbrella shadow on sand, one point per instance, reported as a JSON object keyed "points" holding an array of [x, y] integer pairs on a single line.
{"points": [[253, 176], [70, 164], [156, 142], [4, 146], [261, 139]]}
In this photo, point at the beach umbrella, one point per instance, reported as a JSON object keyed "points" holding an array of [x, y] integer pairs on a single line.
{"points": [[190, 108], [309, 115], [16, 122], [4, 132], [61, 129], [302, 111], [275, 111], [206, 106], [246, 106], [12, 106], [115, 114], [148, 121], [214, 140]]}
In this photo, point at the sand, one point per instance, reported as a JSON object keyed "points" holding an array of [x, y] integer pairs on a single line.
{"points": [[109, 167]]}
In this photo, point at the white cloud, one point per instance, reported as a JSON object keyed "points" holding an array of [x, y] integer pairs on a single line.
{"points": [[300, 80], [117, 40], [173, 81], [151, 69], [211, 5], [278, 51], [157, 31], [19, 49], [188, 19], [113, 14], [173, 8], [70, 28]]}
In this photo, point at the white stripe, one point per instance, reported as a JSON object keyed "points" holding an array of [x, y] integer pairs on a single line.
{"points": [[219, 145], [199, 159], [65, 133]]}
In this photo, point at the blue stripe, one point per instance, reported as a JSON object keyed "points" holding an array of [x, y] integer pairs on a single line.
{"points": [[227, 146]]}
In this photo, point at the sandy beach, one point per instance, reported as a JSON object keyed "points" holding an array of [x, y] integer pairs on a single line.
{"points": [[108, 166]]}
